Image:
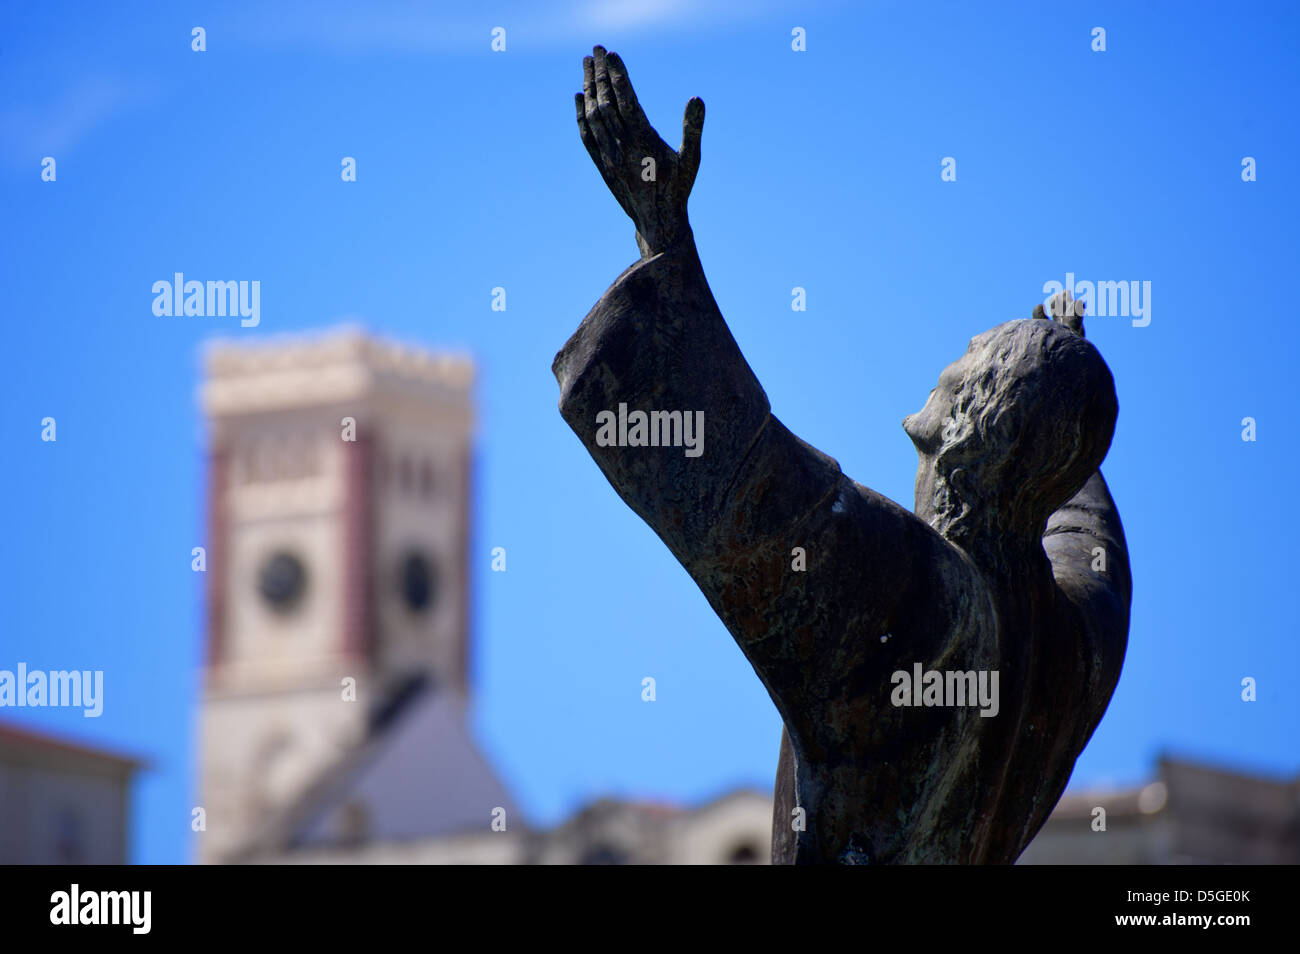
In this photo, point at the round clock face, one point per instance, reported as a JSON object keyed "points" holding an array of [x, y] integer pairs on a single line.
{"points": [[282, 581], [416, 582]]}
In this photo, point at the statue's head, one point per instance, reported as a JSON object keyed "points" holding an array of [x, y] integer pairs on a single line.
{"points": [[1013, 430]]}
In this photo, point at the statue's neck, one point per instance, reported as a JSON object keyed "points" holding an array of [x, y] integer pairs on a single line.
{"points": [[1011, 559], [1004, 542]]}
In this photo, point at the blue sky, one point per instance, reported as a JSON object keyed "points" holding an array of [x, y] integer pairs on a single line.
{"points": [[820, 169]]}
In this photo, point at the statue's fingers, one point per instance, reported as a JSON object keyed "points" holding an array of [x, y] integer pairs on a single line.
{"points": [[584, 131], [1074, 320], [1067, 311], [608, 147], [1059, 303], [692, 129], [593, 150], [628, 107], [588, 85], [589, 140], [606, 103]]}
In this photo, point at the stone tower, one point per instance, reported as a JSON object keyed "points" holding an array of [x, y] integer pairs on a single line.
{"points": [[338, 516]]}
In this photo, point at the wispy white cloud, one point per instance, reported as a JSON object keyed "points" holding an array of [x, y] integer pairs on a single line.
{"points": [[61, 123], [58, 126], [407, 26]]}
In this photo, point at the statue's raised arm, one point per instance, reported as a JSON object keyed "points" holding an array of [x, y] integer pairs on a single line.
{"points": [[937, 671], [658, 391]]}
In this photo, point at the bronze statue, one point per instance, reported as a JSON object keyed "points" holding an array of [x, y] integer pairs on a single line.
{"points": [[1012, 575]]}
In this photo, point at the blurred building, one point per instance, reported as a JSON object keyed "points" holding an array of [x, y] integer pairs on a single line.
{"points": [[335, 691], [1189, 814], [61, 803], [734, 829]]}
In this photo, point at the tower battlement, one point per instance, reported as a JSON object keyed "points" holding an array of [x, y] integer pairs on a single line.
{"points": [[337, 366]]}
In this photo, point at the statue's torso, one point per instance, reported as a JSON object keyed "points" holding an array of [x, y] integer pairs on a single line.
{"points": [[934, 783]]}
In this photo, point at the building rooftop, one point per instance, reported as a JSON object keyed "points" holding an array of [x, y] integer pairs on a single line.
{"points": [[345, 363], [14, 738]]}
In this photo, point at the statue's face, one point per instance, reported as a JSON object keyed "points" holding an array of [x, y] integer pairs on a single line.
{"points": [[1030, 385], [926, 427]]}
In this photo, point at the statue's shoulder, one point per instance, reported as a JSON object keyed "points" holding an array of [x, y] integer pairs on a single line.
{"points": [[937, 595]]}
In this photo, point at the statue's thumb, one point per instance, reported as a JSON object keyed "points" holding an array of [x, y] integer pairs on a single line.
{"points": [[692, 128]]}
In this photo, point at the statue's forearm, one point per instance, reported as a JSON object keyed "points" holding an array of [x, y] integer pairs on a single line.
{"points": [[654, 356]]}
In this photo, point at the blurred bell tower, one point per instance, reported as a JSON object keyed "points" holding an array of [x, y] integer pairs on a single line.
{"points": [[338, 522]]}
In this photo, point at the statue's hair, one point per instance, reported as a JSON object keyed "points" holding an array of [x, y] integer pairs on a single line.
{"points": [[1032, 420]]}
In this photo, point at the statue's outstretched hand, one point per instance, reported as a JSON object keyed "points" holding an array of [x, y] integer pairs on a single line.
{"points": [[650, 181]]}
